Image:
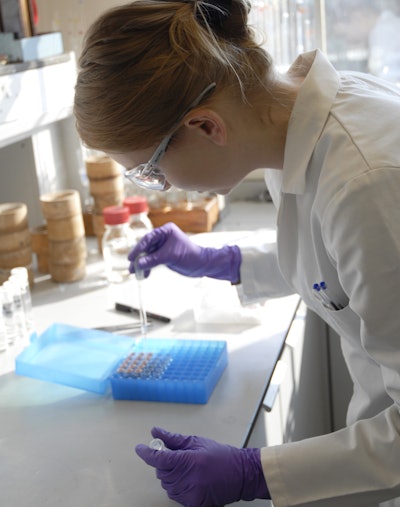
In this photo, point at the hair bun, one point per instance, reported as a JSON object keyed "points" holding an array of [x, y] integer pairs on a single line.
{"points": [[213, 14], [225, 18]]}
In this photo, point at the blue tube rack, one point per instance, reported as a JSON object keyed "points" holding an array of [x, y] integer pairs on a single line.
{"points": [[180, 371], [150, 369]]}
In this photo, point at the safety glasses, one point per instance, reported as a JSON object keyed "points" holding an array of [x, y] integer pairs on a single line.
{"points": [[149, 175]]}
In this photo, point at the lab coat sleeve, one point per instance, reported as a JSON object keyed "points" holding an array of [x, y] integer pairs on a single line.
{"points": [[260, 275], [342, 469], [360, 464]]}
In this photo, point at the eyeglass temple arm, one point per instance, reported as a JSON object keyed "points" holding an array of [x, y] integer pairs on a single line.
{"points": [[162, 148], [164, 144]]}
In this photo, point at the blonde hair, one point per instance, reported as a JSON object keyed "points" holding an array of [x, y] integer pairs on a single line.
{"points": [[143, 63]]}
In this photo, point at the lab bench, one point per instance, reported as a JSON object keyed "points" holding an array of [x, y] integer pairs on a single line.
{"points": [[71, 448]]}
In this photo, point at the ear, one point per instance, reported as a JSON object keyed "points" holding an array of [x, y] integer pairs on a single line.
{"points": [[207, 123]]}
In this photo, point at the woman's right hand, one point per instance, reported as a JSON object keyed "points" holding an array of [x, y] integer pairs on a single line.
{"points": [[169, 245]]}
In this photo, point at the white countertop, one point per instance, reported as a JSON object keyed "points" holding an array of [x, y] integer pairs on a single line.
{"points": [[64, 447]]}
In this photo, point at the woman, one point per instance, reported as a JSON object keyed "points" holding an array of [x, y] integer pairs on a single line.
{"points": [[185, 86]]}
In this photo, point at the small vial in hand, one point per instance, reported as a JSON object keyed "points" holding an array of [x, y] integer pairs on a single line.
{"points": [[157, 444]]}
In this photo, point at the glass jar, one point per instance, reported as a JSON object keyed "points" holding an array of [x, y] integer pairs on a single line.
{"points": [[139, 221], [117, 241]]}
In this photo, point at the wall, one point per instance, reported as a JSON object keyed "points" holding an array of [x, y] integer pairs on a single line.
{"points": [[72, 18]]}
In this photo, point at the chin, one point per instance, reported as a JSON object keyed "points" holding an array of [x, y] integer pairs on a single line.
{"points": [[201, 188]]}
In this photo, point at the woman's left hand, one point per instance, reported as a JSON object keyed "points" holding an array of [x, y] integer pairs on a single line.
{"points": [[199, 472]]}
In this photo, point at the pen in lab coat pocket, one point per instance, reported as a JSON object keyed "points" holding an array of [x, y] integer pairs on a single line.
{"points": [[320, 293]]}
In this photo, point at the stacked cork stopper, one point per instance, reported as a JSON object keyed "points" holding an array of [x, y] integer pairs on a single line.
{"points": [[15, 239], [65, 234], [106, 187]]}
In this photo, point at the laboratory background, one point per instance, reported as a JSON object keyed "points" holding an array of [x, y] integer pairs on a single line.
{"points": [[275, 372]]}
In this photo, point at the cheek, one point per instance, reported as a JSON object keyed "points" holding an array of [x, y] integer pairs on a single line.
{"points": [[193, 176], [197, 172]]}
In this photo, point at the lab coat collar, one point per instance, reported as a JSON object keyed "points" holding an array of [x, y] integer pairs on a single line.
{"points": [[309, 114]]}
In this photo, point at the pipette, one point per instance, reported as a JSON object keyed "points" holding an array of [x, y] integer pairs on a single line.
{"points": [[142, 311]]}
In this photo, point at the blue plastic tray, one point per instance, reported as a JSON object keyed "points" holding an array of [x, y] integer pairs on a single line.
{"points": [[171, 370], [73, 356], [182, 371]]}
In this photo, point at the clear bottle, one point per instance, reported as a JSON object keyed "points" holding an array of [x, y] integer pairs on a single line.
{"points": [[139, 221], [20, 275], [8, 313], [12, 285], [117, 241]]}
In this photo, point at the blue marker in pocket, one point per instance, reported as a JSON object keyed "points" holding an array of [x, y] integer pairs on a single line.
{"points": [[320, 293]]}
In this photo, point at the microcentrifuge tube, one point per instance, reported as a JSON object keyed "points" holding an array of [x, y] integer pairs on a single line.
{"points": [[157, 444]]}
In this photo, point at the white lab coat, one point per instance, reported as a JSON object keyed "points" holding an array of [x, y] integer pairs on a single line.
{"points": [[338, 200]]}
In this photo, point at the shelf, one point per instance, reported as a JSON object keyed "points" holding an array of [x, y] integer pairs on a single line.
{"points": [[34, 95]]}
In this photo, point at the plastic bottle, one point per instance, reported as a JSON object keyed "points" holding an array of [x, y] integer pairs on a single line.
{"points": [[139, 221], [20, 275], [12, 285], [117, 241], [8, 313]]}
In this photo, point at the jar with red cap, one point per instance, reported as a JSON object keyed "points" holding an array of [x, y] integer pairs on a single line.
{"points": [[117, 241], [139, 221]]}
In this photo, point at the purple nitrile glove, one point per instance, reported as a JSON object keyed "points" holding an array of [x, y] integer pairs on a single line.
{"points": [[171, 246], [199, 472]]}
